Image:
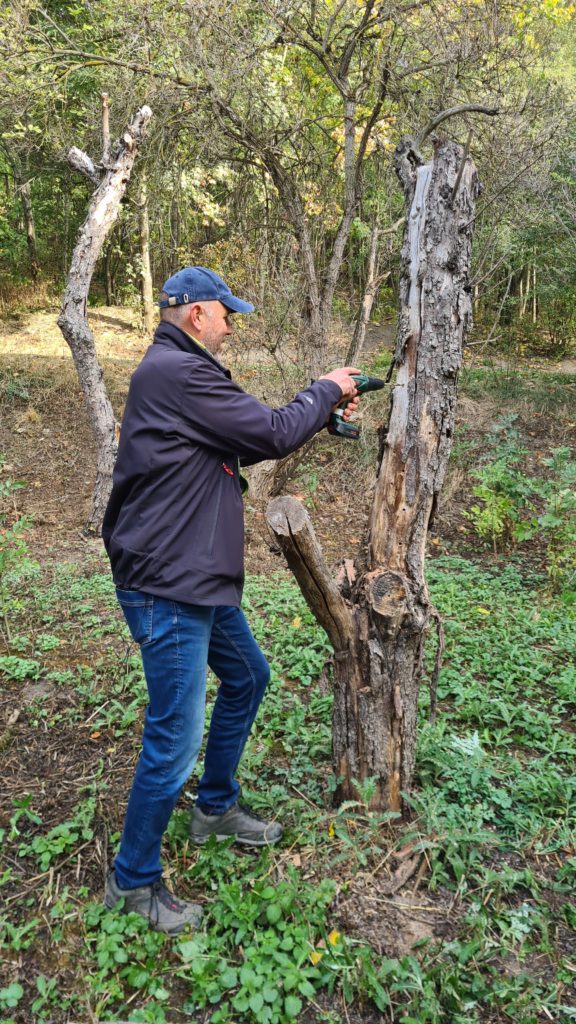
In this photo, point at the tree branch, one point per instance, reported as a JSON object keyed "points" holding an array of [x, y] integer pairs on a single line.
{"points": [[451, 112], [80, 161], [105, 129], [142, 69], [290, 523]]}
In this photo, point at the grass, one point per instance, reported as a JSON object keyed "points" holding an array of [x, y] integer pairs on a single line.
{"points": [[493, 824], [522, 388]]}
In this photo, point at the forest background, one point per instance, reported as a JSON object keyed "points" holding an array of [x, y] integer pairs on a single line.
{"points": [[269, 158]]}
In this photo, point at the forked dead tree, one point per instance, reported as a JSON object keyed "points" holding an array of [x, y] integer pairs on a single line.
{"points": [[111, 177], [378, 614]]}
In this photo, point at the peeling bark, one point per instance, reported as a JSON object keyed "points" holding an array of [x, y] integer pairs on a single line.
{"points": [[73, 321], [378, 623]]}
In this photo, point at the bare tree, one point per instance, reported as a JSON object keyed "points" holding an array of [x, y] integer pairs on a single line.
{"points": [[378, 614], [111, 176]]}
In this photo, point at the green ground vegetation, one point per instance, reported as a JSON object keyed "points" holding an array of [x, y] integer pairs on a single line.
{"points": [[492, 827]]}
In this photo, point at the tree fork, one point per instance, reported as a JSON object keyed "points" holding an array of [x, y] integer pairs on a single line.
{"points": [[378, 622]]}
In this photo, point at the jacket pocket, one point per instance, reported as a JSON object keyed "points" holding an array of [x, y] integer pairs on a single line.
{"points": [[138, 611]]}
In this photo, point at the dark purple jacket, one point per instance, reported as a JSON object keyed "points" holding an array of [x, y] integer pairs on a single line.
{"points": [[174, 523]]}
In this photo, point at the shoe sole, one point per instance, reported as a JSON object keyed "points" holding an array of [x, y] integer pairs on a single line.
{"points": [[201, 840]]}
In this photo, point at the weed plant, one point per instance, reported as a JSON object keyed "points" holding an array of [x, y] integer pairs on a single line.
{"points": [[513, 507], [493, 816]]}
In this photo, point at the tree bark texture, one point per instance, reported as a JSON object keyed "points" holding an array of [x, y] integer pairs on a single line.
{"points": [[378, 618], [73, 321]]}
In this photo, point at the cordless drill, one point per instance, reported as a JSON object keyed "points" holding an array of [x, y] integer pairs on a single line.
{"points": [[337, 424]]}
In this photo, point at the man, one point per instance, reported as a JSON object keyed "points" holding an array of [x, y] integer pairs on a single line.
{"points": [[174, 533]]}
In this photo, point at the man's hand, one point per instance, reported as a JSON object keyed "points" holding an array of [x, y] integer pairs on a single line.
{"points": [[342, 377]]}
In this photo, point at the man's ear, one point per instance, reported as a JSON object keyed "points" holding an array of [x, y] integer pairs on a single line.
{"points": [[194, 317]]}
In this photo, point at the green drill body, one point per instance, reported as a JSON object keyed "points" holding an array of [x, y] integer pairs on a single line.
{"points": [[337, 424]]}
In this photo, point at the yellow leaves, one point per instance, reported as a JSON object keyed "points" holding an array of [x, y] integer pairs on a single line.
{"points": [[483, 611], [317, 204], [331, 829], [558, 11], [529, 18], [333, 938], [383, 134], [296, 622]]}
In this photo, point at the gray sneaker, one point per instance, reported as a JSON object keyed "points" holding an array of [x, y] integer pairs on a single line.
{"points": [[247, 828], [156, 903]]}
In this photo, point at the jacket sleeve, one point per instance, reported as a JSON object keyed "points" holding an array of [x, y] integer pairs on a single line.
{"points": [[218, 411]]}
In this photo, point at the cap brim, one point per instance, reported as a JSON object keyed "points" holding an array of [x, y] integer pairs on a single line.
{"points": [[237, 305]]}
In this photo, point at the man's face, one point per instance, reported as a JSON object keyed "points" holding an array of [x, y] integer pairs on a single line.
{"points": [[214, 325]]}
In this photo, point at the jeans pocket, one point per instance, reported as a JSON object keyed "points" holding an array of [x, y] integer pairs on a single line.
{"points": [[138, 611]]}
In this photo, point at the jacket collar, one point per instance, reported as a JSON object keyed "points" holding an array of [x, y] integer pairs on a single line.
{"points": [[170, 336]]}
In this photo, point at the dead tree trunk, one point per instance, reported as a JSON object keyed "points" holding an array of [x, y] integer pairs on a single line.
{"points": [[111, 177], [378, 618]]}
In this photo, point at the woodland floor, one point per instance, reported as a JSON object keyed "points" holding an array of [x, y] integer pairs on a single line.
{"points": [[46, 441]]}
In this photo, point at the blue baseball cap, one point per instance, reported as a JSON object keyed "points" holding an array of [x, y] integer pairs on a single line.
{"points": [[198, 284]]}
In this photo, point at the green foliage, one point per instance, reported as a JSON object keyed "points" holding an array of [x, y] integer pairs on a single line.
{"points": [[557, 518], [63, 838], [13, 550], [502, 489], [277, 928], [19, 668], [495, 796], [11, 995], [279, 142], [22, 809], [282, 622], [514, 386], [515, 507], [506, 767]]}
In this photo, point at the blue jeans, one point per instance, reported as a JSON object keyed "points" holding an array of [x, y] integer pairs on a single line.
{"points": [[177, 642]]}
